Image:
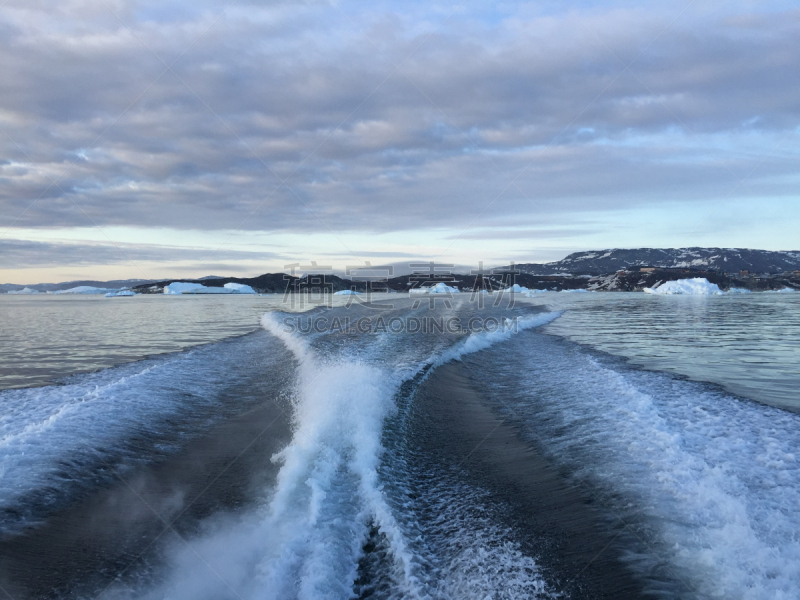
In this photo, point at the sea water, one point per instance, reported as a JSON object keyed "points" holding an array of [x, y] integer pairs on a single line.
{"points": [[699, 477]]}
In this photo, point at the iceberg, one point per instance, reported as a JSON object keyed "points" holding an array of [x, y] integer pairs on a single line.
{"points": [[574, 291], [346, 293], [182, 287], [25, 291], [209, 290], [439, 288], [698, 286], [735, 290], [786, 290], [239, 288], [178, 287], [120, 293], [85, 289]]}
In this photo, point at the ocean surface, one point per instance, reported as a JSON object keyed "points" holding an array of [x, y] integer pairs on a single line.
{"points": [[608, 445]]}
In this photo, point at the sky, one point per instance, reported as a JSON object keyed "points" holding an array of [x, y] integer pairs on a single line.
{"points": [[162, 139]]}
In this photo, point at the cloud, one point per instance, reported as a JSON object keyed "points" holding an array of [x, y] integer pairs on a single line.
{"points": [[314, 116], [24, 254]]}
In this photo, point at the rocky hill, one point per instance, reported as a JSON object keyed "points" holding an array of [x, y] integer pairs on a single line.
{"points": [[726, 260]]}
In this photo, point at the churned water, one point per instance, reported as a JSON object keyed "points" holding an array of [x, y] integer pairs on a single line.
{"points": [[454, 451]]}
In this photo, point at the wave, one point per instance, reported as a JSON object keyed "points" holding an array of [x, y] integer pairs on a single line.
{"points": [[59, 441], [330, 500], [710, 483]]}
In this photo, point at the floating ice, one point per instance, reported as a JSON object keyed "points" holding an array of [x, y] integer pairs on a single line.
{"points": [[120, 293], [178, 287], [786, 290], [698, 286], [85, 289], [735, 290], [26, 291], [346, 293], [239, 288], [439, 288], [574, 291], [182, 287]]}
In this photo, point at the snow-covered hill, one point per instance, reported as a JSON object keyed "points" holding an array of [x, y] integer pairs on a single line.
{"points": [[731, 260]]}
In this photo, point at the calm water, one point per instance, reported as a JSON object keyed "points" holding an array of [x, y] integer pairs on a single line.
{"points": [[749, 343], [46, 337]]}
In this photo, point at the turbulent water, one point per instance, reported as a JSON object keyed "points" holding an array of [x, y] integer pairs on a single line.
{"points": [[409, 451]]}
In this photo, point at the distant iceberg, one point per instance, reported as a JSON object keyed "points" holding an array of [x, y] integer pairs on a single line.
{"points": [[85, 289], [178, 287], [239, 288], [182, 287], [346, 293], [439, 288], [120, 293], [25, 291], [579, 290], [521, 289], [735, 290], [698, 286], [786, 290]]}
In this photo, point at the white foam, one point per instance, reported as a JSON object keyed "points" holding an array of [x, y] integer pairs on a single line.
{"points": [[716, 479], [307, 540], [476, 342]]}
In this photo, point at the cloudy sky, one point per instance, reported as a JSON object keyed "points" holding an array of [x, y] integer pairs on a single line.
{"points": [[147, 139]]}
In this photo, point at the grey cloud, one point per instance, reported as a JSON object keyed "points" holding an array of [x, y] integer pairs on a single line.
{"points": [[300, 92], [21, 254]]}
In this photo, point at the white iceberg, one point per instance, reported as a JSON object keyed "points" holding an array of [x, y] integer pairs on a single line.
{"points": [[786, 290], [735, 290], [25, 291], [239, 288], [517, 289], [178, 287], [85, 289], [579, 290], [439, 288], [698, 286], [209, 290], [183, 287], [346, 293], [120, 293]]}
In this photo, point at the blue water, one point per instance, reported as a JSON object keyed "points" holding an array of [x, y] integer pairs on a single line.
{"points": [[667, 409]]}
